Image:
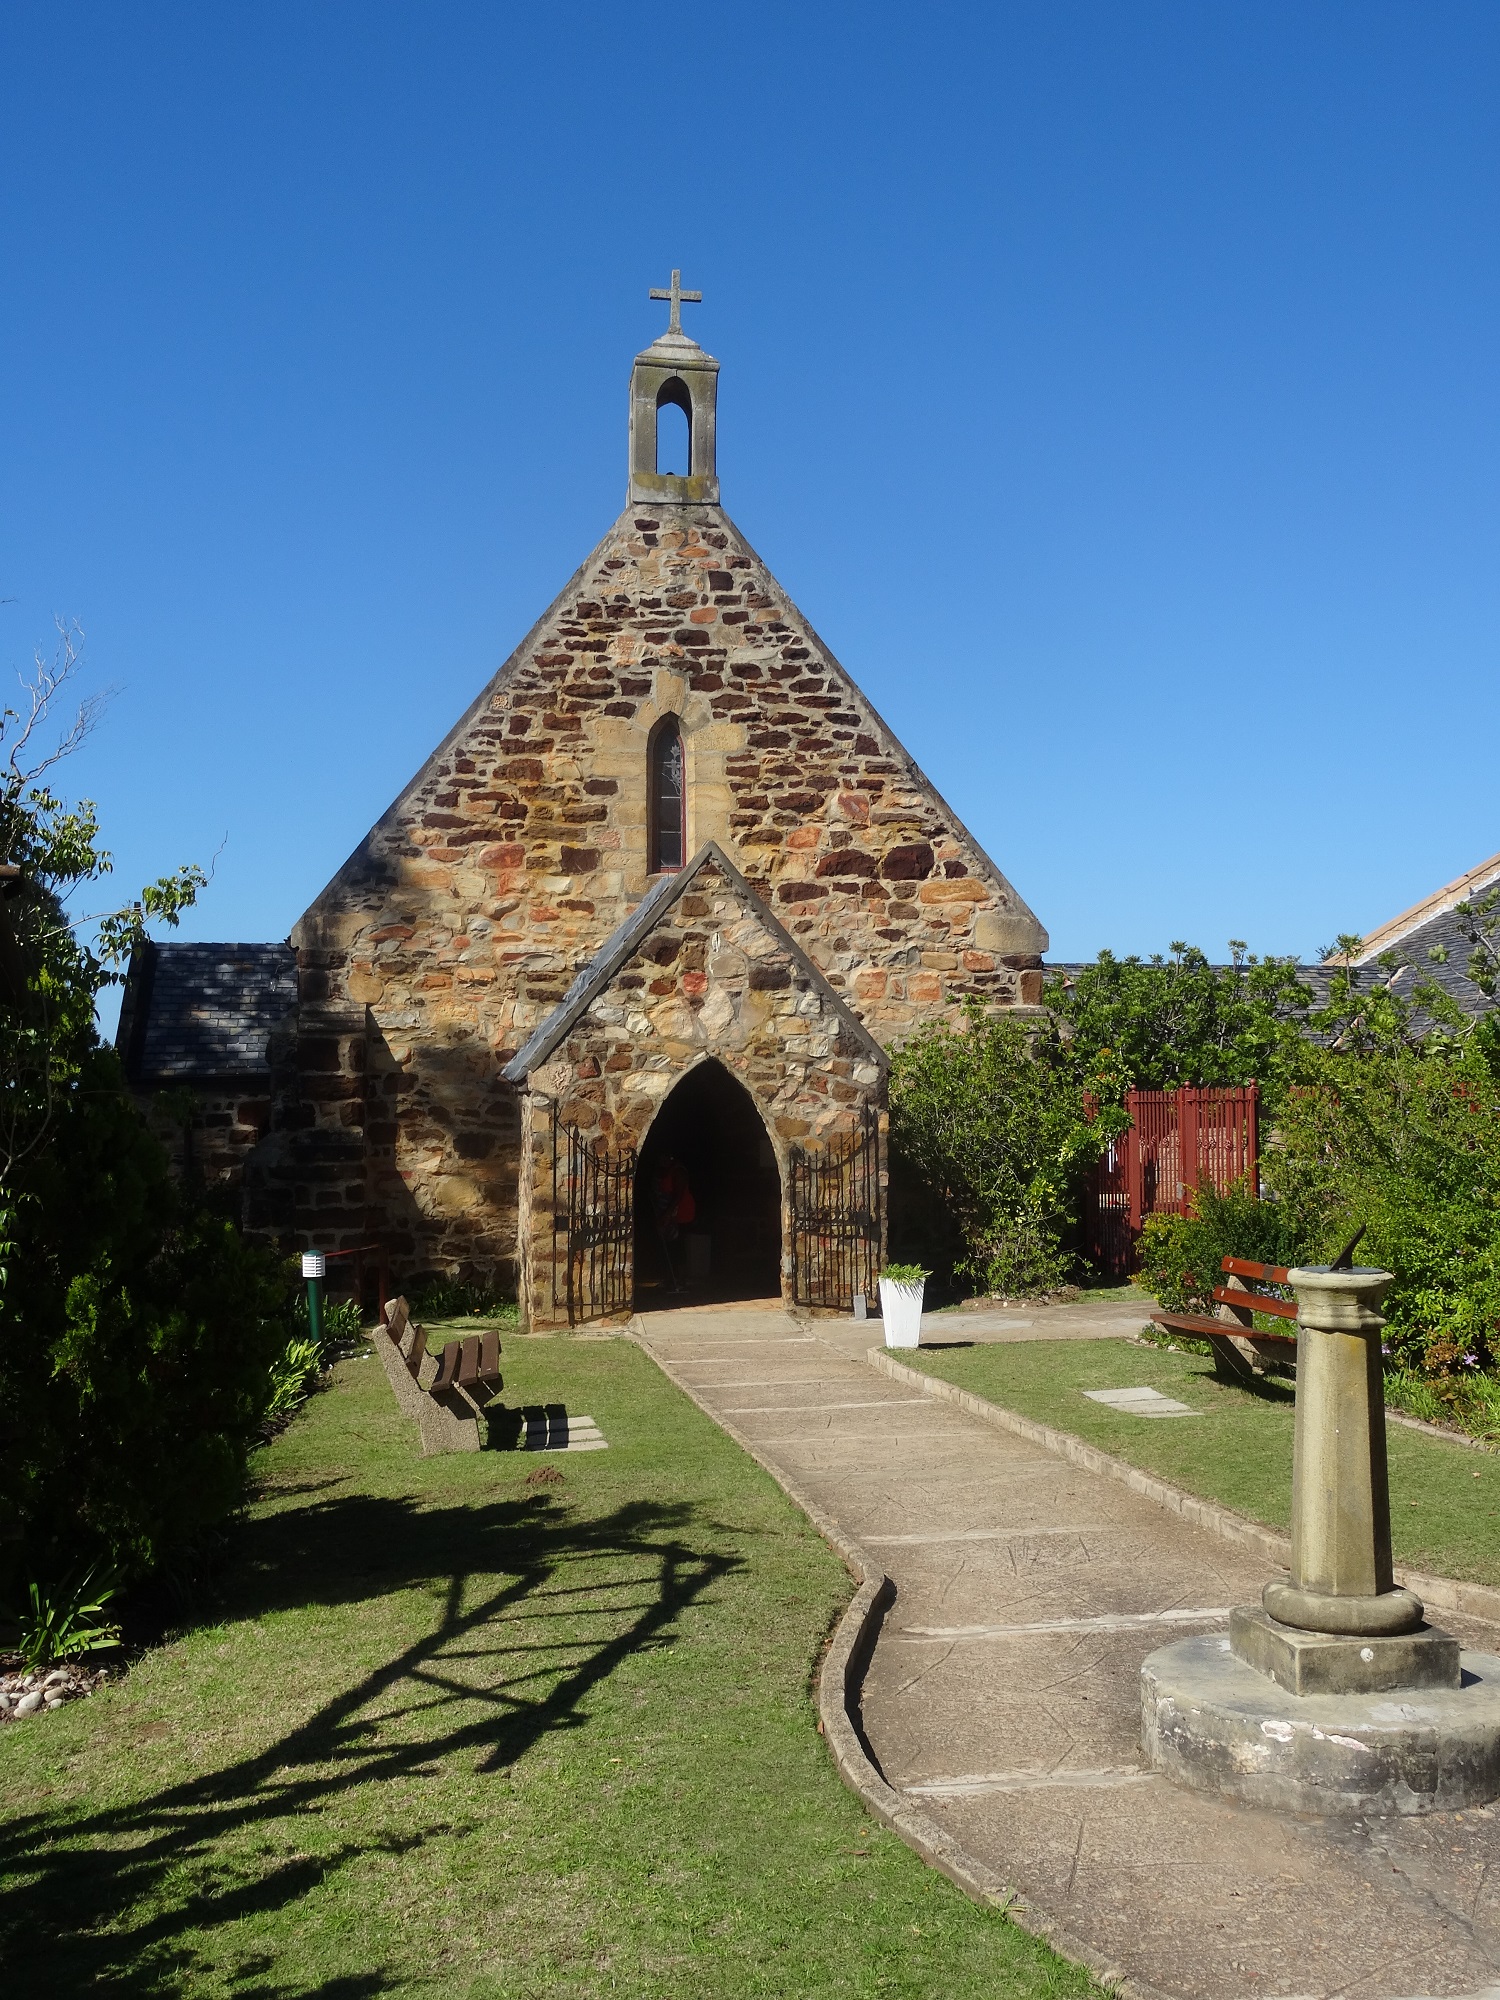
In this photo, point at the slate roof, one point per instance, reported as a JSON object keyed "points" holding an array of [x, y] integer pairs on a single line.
{"points": [[203, 1010], [623, 942]]}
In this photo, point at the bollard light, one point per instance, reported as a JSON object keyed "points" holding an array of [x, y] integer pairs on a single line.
{"points": [[314, 1265]]}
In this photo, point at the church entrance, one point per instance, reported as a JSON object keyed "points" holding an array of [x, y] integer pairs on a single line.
{"points": [[707, 1198]]}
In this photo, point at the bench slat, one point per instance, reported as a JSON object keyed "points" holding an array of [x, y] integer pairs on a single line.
{"points": [[1268, 1274], [397, 1313], [442, 1382], [1255, 1302], [1204, 1328], [468, 1361], [414, 1354], [489, 1362]]}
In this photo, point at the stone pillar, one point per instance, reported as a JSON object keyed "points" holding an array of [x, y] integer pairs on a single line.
{"points": [[1342, 1623], [1341, 1508]]}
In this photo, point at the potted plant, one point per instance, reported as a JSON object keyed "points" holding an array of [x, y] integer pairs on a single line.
{"points": [[901, 1303]]}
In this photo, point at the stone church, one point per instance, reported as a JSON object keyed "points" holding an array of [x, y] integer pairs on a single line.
{"points": [[599, 1009]]}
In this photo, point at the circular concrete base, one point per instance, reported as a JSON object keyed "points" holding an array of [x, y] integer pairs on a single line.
{"points": [[1211, 1722]]}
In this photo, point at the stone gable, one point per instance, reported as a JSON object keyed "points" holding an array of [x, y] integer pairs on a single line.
{"points": [[522, 843]]}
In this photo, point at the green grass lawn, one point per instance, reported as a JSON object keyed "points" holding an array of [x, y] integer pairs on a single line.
{"points": [[1445, 1500], [459, 1729]]}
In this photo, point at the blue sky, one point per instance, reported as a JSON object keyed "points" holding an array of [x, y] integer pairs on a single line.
{"points": [[1113, 385]]}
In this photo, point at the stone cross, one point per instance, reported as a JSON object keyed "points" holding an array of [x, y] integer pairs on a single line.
{"points": [[677, 295]]}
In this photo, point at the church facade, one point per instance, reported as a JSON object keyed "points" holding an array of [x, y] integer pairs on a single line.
{"points": [[601, 1006]]}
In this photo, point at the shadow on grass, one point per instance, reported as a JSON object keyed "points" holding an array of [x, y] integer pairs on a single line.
{"points": [[1260, 1388], [120, 1898]]}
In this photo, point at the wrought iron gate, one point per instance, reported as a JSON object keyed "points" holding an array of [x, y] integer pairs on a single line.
{"points": [[836, 1206], [593, 1213]]}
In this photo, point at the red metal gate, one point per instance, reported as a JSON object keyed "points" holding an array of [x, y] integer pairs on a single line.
{"points": [[1177, 1138]]}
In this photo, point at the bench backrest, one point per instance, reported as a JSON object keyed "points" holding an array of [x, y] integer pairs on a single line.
{"points": [[1244, 1298], [1267, 1274]]}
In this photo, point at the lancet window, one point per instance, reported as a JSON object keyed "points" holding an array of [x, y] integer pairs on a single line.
{"points": [[668, 798]]}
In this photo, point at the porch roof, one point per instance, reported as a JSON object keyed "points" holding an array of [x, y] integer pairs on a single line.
{"points": [[624, 942]]}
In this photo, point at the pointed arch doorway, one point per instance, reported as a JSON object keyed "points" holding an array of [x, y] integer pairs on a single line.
{"points": [[707, 1197]]}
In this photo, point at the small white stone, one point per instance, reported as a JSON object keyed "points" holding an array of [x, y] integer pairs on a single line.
{"points": [[1367, 1652], [29, 1703]]}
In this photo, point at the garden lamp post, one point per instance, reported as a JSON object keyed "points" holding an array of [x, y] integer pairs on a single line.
{"points": [[314, 1265]]}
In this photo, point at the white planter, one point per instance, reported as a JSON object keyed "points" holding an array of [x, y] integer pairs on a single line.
{"points": [[901, 1309]]}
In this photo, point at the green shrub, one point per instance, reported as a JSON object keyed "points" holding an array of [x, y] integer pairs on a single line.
{"points": [[138, 1332], [1468, 1402], [73, 1619], [992, 1117], [1181, 1255], [440, 1297], [1406, 1142]]}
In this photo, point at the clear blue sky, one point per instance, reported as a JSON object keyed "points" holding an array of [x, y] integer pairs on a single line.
{"points": [[1114, 387]]}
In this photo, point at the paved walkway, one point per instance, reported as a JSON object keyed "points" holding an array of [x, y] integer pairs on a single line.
{"points": [[1003, 1691], [1084, 1319]]}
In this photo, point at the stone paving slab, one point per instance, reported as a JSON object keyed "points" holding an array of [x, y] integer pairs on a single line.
{"points": [[1002, 1696]]}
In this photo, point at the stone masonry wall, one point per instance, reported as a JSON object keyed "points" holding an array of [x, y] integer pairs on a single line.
{"points": [[710, 979], [462, 918]]}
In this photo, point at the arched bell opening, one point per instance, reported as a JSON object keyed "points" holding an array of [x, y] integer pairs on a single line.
{"points": [[707, 1197], [674, 429]]}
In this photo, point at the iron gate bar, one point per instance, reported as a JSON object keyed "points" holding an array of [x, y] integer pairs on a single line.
{"points": [[835, 1211], [598, 1224]]}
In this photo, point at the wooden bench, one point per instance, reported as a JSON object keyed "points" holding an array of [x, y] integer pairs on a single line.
{"points": [[1247, 1351], [446, 1392]]}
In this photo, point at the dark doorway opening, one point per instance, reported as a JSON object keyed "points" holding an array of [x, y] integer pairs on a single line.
{"points": [[707, 1198]]}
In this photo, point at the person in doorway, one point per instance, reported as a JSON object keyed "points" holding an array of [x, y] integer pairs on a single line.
{"points": [[674, 1209]]}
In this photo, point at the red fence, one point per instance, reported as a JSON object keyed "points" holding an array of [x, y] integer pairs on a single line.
{"points": [[1177, 1138]]}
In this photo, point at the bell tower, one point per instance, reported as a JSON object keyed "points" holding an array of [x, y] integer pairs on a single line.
{"points": [[674, 370]]}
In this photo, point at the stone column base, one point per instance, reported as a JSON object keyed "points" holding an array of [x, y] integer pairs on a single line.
{"points": [[1336, 1663], [1213, 1723]]}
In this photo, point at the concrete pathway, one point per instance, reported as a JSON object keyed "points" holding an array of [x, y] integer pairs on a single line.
{"points": [[1084, 1319], [1003, 1691]]}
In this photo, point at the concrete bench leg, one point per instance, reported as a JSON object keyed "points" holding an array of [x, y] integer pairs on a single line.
{"points": [[449, 1426], [453, 1426]]}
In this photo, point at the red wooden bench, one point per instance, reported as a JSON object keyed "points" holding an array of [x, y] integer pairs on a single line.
{"points": [[1236, 1341]]}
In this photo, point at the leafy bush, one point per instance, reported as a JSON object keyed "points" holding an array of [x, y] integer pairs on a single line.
{"points": [[995, 1118], [137, 1337], [906, 1274], [141, 1339], [439, 1297], [1181, 1255], [1406, 1142], [1468, 1402], [72, 1620]]}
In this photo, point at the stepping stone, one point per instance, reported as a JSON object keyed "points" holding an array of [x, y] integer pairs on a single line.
{"points": [[1139, 1402]]}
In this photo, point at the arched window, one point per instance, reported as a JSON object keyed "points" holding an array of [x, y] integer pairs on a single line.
{"points": [[667, 804], [674, 433]]}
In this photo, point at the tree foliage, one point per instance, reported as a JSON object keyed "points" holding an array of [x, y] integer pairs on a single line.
{"points": [[137, 1330], [1001, 1119], [1175, 1020]]}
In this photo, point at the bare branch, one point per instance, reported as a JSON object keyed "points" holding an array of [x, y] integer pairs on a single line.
{"points": [[41, 692]]}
